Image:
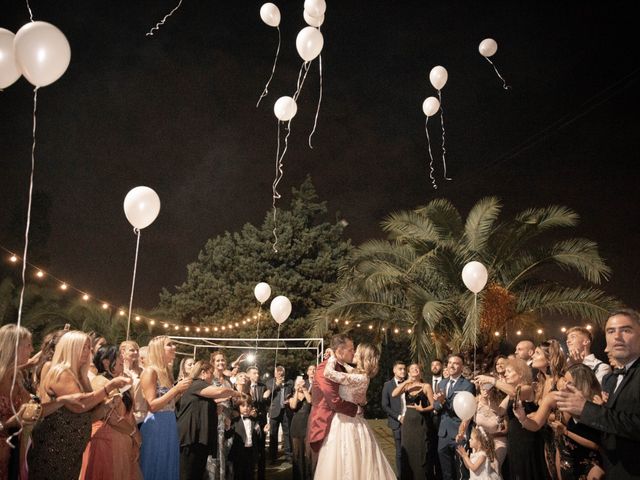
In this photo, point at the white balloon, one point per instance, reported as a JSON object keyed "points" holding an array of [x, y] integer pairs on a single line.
{"points": [[474, 276], [313, 21], [280, 309], [141, 207], [9, 69], [464, 404], [42, 52], [431, 106], [438, 77], [285, 109], [270, 14], [309, 43], [488, 47], [262, 291], [315, 8]]}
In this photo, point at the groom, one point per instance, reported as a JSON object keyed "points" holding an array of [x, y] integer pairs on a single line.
{"points": [[326, 400]]}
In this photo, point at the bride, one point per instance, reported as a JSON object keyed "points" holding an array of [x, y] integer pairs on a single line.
{"points": [[350, 451]]}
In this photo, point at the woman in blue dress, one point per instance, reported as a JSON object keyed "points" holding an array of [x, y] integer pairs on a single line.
{"points": [[160, 452]]}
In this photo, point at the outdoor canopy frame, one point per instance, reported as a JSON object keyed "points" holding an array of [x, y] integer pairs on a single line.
{"points": [[312, 344]]}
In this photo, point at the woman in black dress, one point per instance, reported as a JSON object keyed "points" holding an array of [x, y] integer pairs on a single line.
{"points": [[300, 405], [197, 420], [415, 424]]}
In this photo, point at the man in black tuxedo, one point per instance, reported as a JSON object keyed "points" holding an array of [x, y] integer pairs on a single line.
{"points": [[260, 395], [281, 390], [619, 418], [395, 407], [433, 464], [449, 421], [247, 440]]}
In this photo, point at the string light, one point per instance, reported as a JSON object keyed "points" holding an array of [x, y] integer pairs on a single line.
{"points": [[370, 327], [336, 320], [588, 327], [198, 329], [63, 286], [346, 322], [105, 306], [563, 329], [207, 329], [166, 325], [519, 333], [85, 297], [40, 274], [121, 313], [539, 331], [176, 327], [409, 331], [13, 259], [186, 329], [497, 334], [152, 322], [395, 330], [137, 318], [358, 325]]}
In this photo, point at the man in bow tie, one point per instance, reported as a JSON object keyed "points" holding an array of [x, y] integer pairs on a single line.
{"points": [[619, 418]]}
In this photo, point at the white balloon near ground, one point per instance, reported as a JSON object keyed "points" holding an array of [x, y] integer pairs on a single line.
{"points": [[430, 106], [309, 43], [313, 21], [488, 47], [285, 109], [280, 309], [475, 276], [141, 207], [270, 14], [315, 8], [464, 404], [9, 70], [42, 52], [438, 77], [262, 292]]}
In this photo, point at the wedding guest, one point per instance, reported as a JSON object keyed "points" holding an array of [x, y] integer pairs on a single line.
{"points": [[300, 405], [130, 352], [60, 439], [143, 353], [395, 408], [618, 419], [160, 452], [525, 350], [482, 463], [243, 384], [244, 433], [260, 396], [579, 341], [114, 448], [185, 367], [280, 389], [499, 365], [219, 468], [449, 421], [433, 463], [416, 423], [197, 420], [96, 342], [311, 372]]}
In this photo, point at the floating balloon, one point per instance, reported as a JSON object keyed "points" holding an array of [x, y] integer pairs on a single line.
{"points": [[262, 291], [431, 106], [270, 14], [280, 309], [438, 77], [464, 404], [315, 8], [474, 276], [309, 43], [313, 21], [42, 52], [285, 109], [141, 207], [488, 47], [9, 70]]}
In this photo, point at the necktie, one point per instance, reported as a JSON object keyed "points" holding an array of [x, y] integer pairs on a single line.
{"points": [[253, 392], [450, 386], [619, 371]]}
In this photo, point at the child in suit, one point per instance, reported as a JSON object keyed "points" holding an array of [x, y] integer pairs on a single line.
{"points": [[247, 437]]}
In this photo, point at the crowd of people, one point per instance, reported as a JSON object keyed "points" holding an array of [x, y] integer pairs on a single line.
{"points": [[81, 408], [541, 413]]}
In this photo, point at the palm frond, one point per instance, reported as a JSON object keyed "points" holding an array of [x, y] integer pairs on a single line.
{"points": [[480, 222], [552, 216], [445, 217], [410, 227]]}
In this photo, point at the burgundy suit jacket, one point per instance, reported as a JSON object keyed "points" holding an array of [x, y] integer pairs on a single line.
{"points": [[325, 403]]}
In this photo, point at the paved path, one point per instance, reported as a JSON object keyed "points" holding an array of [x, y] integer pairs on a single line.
{"points": [[282, 471]]}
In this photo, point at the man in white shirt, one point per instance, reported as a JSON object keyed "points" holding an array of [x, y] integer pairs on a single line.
{"points": [[395, 407], [579, 345]]}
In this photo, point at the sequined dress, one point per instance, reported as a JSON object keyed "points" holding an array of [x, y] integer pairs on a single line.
{"points": [[160, 451]]}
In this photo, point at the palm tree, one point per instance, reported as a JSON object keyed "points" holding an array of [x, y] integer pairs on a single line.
{"points": [[413, 280]]}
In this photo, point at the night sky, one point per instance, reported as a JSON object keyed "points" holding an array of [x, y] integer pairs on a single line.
{"points": [[176, 112]]}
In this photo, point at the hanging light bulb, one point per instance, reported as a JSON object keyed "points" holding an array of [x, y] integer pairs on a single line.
{"points": [[166, 325], [85, 297], [40, 274], [137, 318], [152, 322], [105, 306], [64, 286], [13, 259]]}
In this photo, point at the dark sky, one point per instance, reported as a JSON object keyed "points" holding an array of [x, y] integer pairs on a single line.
{"points": [[176, 112]]}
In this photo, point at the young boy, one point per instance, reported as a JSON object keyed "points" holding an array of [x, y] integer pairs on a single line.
{"points": [[247, 437]]}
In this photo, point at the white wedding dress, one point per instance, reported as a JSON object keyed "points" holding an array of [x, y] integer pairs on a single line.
{"points": [[350, 451]]}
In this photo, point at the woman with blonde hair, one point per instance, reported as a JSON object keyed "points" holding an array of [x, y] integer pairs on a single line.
{"points": [[350, 446], [186, 364], [160, 452], [60, 439], [130, 352]]}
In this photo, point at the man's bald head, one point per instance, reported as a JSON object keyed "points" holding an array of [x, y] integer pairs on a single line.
{"points": [[525, 350]]}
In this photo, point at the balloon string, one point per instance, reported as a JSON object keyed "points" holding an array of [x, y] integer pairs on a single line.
{"points": [[258, 327], [161, 22], [444, 150], [30, 12], [431, 170], [475, 330], [305, 66], [504, 82], [315, 121], [24, 269], [265, 92], [133, 282]]}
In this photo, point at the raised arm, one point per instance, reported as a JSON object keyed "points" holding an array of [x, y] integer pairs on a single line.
{"points": [[342, 378], [536, 420]]}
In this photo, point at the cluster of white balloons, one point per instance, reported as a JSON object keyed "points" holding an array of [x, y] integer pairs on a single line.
{"points": [[438, 77], [39, 51], [280, 306], [141, 207]]}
